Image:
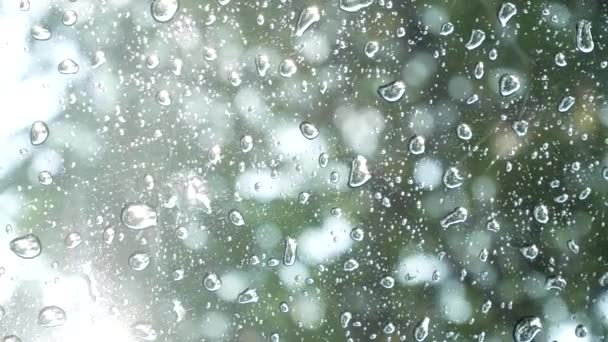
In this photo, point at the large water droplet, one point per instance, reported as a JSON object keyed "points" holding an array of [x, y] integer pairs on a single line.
{"points": [[51, 316], [580, 331], [392, 92], [456, 216], [477, 37], [464, 132], [354, 5], [287, 68], [506, 12], [566, 103], [345, 318], [289, 254], [541, 213], [529, 252], [417, 144], [351, 265], [452, 178], [164, 10], [308, 16], [69, 18], [39, 133], [163, 98], [584, 38], [27, 246], [212, 282], [422, 329], [248, 296], [508, 84], [371, 48], [138, 216], [309, 131], [236, 218], [68, 67], [526, 329], [73, 240], [556, 282], [40, 32], [144, 331], [139, 261], [446, 29], [359, 173]]}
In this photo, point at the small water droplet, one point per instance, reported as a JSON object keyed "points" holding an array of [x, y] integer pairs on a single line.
{"points": [[520, 127], [357, 234], [287, 68], [209, 53], [236, 218], [51, 316], [422, 329], [506, 12], [163, 98], [345, 319], [458, 215], [45, 178], [417, 144], [289, 255], [24, 5], [164, 10], [371, 48], [139, 261], [486, 306], [40, 32], [580, 331], [541, 213], [479, 70], [351, 265], [392, 92], [250, 295], [68, 67], [27, 246], [212, 282], [73, 240], [108, 235], [138, 216], [555, 283], [464, 132], [508, 84], [529, 252], [387, 282], [309, 131], [560, 59], [69, 18], [446, 29]]}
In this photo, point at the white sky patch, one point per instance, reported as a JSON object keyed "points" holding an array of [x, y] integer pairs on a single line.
{"points": [[360, 128], [331, 240], [421, 267]]}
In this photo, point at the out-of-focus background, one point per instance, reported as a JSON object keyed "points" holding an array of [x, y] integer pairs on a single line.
{"points": [[280, 170]]}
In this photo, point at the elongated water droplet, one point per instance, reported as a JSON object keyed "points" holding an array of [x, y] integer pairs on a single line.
{"points": [[476, 39], [248, 296], [308, 16], [51, 316], [479, 70], [27, 246], [69, 18], [452, 178], [289, 255], [359, 173], [508, 84], [584, 37], [506, 12], [354, 5], [566, 103], [520, 127], [345, 318], [212, 282], [138, 216], [139, 261], [40, 32], [526, 329], [493, 225], [262, 64], [236, 218], [541, 213], [39, 133], [417, 144], [68, 67], [392, 92], [144, 331], [209, 53], [456, 216], [580, 331], [422, 329], [309, 131], [486, 306], [371, 48], [164, 10]]}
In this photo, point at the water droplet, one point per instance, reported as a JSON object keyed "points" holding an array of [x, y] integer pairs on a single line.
{"points": [[262, 64], [39, 133], [357, 234], [40, 32], [458, 215], [566, 103], [345, 319], [73, 240], [144, 331], [508, 84], [45, 178], [560, 59], [212, 282], [234, 78], [309, 131], [108, 235], [355, 5], [284, 307], [476, 39], [486, 306], [392, 92], [529, 252], [351, 265], [209, 53], [163, 98], [359, 173], [323, 159], [68, 67], [389, 328], [555, 283], [176, 66], [139, 261], [236, 218], [572, 246], [149, 182], [275, 337], [464, 132], [387, 282], [69, 18], [99, 59], [422, 329], [287, 68], [27, 246], [164, 10], [417, 145], [520, 127], [24, 5], [11, 338], [541, 213], [248, 296], [584, 38], [493, 225], [479, 70], [580, 331], [289, 255], [452, 178], [152, 61], [506, 12], [526, 329], [308, 16], [371, 48], [446, 29], [138, 216], [51, 316], [246, 143]]}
